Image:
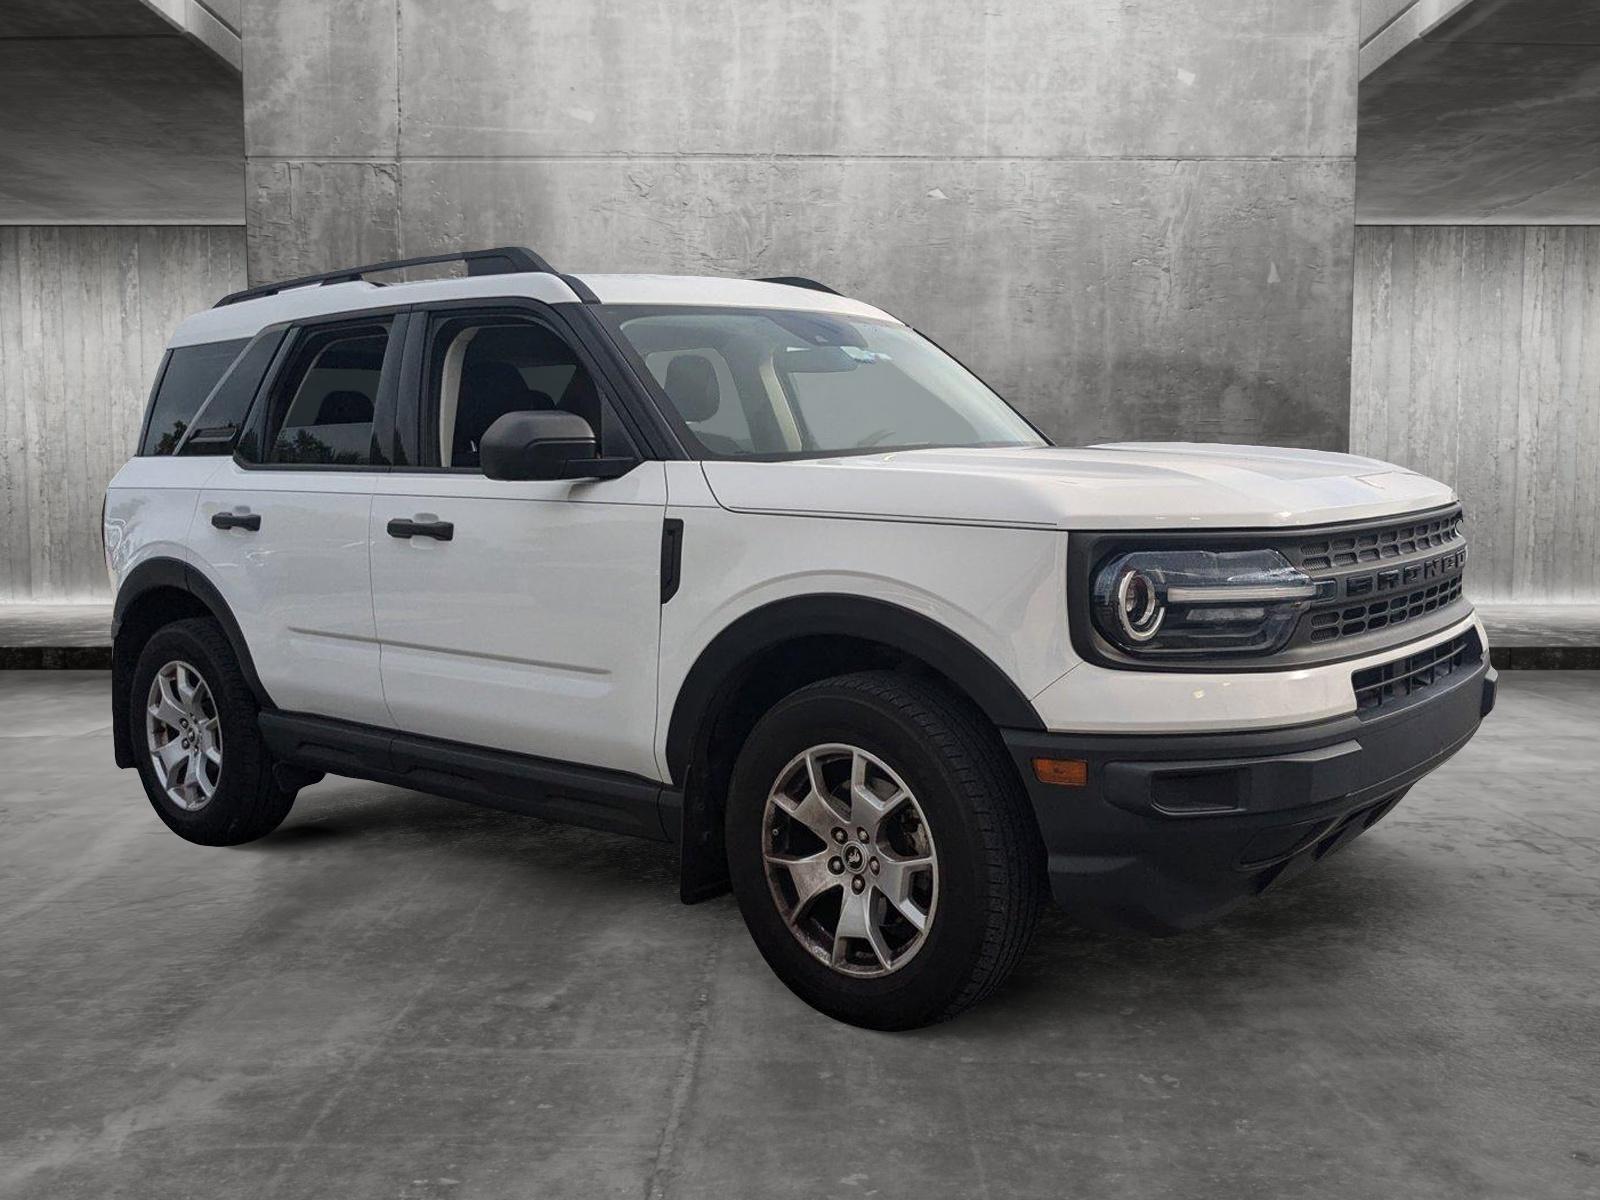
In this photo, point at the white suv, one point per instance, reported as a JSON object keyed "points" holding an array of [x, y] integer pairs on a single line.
{"points": [[754, 568]]}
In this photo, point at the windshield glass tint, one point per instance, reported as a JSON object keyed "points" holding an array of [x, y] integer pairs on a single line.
{"points": [[773, 383]]}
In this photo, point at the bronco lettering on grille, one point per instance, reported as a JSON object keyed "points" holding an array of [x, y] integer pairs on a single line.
{"points": [[1405, 576]]}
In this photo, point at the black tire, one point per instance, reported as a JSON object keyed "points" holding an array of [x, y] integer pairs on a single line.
{"points": [[247, 803], [990, 857]]}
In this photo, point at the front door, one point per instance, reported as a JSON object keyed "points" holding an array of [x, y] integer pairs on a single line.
{"points": [[521, 616]]}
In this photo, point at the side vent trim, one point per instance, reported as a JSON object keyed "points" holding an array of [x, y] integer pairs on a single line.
{"points": [[671, 557]]}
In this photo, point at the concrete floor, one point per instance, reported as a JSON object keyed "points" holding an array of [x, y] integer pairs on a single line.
{"points": [[399, 996]]}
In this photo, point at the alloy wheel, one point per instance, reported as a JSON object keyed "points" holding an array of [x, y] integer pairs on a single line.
{"points": [[184, 736], [850, 860]]}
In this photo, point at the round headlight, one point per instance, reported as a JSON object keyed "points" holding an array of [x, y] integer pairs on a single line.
{"points": [[1175, 603], [1139, 608]]}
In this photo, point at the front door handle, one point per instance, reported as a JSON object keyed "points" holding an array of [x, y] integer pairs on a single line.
{"points": [[235, 520], [400, 527]]}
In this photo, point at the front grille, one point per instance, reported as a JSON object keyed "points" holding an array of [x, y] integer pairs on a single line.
{"points": [[1375, 576], [1336, 623], [1393, 682], [1400, 540]]}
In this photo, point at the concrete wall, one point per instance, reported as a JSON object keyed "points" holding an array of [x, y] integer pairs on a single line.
{"points": [[85, 312], [1477, 360], [1133, 216]]}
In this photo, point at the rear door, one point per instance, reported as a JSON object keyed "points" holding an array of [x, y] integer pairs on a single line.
{"points": [[527, 617], [281, 529], [150, 502]]}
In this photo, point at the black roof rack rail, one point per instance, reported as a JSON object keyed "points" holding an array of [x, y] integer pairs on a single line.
{"points": [[800, 281], [501, 260]]}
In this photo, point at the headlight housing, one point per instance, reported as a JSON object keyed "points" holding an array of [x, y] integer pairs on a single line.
{"points": [[1181, 603]]}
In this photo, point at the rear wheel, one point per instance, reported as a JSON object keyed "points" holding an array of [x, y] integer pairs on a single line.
{"points": [[882, 851], [196, 741]]}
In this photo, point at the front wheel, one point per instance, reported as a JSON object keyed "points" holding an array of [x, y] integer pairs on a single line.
{"points": [[882, 851]]}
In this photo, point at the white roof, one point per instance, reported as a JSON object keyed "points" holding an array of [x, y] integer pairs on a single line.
{"points": [[711, 290], [248, 317]]}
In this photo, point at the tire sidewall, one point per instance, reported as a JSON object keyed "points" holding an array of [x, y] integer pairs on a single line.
{"points": [[918, 991]]}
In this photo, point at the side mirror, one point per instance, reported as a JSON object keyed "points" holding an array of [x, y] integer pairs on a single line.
{"points": [[545, 444]]}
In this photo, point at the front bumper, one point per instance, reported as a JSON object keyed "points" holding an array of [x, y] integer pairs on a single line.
{"points": [[1170, 831]]}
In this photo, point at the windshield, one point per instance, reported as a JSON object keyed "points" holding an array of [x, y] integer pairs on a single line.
{"points": [[767, 383]]}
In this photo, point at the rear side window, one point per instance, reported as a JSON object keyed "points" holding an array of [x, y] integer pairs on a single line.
{"points": [[186, 380], [323, 406]]}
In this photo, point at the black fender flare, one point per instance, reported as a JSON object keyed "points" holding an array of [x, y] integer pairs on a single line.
{"points": [[843, 615], [148, 576]]}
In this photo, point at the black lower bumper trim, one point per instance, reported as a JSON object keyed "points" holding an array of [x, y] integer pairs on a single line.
{"points": [[1172, 830]]}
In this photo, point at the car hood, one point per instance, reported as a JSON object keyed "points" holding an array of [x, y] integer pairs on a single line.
{"points": [[1125, 485]]}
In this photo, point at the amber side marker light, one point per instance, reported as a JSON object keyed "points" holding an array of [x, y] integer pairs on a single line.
{"points": [[1064, 772]]}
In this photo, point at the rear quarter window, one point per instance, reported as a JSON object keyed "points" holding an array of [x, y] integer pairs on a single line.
{"points": [[187, 377], [217, 424]]}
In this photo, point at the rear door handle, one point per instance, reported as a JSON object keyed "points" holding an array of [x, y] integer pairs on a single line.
{"points": [[400, 527], [235, 520]]}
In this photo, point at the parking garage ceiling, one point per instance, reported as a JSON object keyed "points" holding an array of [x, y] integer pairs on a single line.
{"points": [[113, 116], [1493, 117]]}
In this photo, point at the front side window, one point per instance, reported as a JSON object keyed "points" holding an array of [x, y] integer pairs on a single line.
{"points": [[767, 383], [324, 403], [481, 368], [186, 380]]}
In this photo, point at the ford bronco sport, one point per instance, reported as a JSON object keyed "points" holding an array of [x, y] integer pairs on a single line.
{"points": [[755, 569]]}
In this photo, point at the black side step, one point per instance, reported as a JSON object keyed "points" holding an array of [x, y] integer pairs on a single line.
{"points": [[571, 793]]}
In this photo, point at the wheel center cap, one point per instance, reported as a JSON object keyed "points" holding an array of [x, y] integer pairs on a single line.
{"points": [[853, 857]]}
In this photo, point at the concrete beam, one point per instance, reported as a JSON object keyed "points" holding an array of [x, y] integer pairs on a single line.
{"points": [[214, 24], [1389, 26], [117, 118], [1488, 119]]}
